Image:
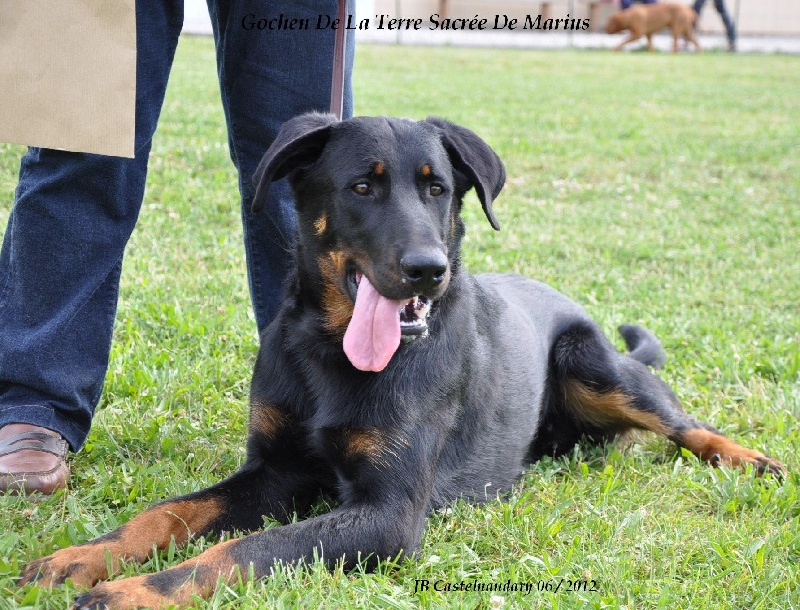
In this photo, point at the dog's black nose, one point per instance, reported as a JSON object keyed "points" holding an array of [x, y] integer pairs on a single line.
{"points": [[424, 270]]}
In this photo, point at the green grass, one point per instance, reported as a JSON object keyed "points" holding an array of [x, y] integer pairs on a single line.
{"points": [[653, 189]]}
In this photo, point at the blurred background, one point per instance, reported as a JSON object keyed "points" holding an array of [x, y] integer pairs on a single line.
{"points": [[763, 26]]}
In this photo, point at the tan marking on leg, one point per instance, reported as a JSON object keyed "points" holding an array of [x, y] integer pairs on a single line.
{"points": [[125, 594], [176, 586], [200, 575], [320, 225], [217, 563], [719, 450], [266, 419], [86, 564], [609, 409], [178, 519]]}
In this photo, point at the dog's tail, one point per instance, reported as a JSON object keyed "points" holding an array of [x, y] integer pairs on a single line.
{"points": [[643, 345]]}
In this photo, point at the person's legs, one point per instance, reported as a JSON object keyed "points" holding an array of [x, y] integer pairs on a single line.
{"points": [[266, 78], [730, 30], [62, 254]]}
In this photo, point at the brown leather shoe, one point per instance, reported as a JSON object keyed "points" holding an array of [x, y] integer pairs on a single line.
{"points": [[32, 459]]}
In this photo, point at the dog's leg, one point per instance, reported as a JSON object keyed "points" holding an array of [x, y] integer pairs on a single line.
{"points": [[632, 38], [236, 503], [351, 533], [650, 43], [385, 488], [606, 392], [693, 39]]}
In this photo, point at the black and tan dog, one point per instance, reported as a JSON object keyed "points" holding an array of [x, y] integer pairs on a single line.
{"points": [[392, 379]]}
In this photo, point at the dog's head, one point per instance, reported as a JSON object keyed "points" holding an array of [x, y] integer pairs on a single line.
{"points": [[378, 204]]}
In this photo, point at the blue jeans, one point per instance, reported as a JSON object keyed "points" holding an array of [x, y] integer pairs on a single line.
{"points": [[74, 212], [730, 28]]}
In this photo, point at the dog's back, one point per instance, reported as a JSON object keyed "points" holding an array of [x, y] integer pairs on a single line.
{"points": [[644, 19]]}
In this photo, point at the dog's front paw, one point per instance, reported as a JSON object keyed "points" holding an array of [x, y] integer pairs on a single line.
{"points": [[762, 464], [739, 457], [91, 601], [124, 594], [84, 565], [718, 450]]}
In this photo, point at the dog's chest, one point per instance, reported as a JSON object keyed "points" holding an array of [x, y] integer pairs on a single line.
{"points": [[349, 450]]}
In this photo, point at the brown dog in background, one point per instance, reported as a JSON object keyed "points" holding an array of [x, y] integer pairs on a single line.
{"points": [[647, 19]]}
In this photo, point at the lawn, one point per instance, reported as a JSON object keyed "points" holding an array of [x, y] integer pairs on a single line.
{"points": [[652, 189]]}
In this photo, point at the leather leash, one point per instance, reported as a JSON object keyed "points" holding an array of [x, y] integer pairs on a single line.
{"points": [[339, 54]]}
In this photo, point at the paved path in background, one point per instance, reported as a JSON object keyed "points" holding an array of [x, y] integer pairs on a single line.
{"points": [[548, 40]]}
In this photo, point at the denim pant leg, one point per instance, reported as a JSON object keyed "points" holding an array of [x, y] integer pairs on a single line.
{"points": [[267, 77], [730, 29], [62, 254]]}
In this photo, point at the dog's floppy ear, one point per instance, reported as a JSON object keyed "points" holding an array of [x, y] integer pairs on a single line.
{"points": [[299, 142], [475, 159]]}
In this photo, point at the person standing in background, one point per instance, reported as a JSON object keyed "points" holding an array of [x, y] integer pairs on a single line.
{"points": [[730, 29]]}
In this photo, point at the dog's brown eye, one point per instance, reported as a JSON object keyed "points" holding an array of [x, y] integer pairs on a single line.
{"points": [[436, 190], [361, 188]]}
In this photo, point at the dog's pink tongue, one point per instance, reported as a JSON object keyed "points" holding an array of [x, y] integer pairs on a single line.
{"points": [[373, 335]]}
